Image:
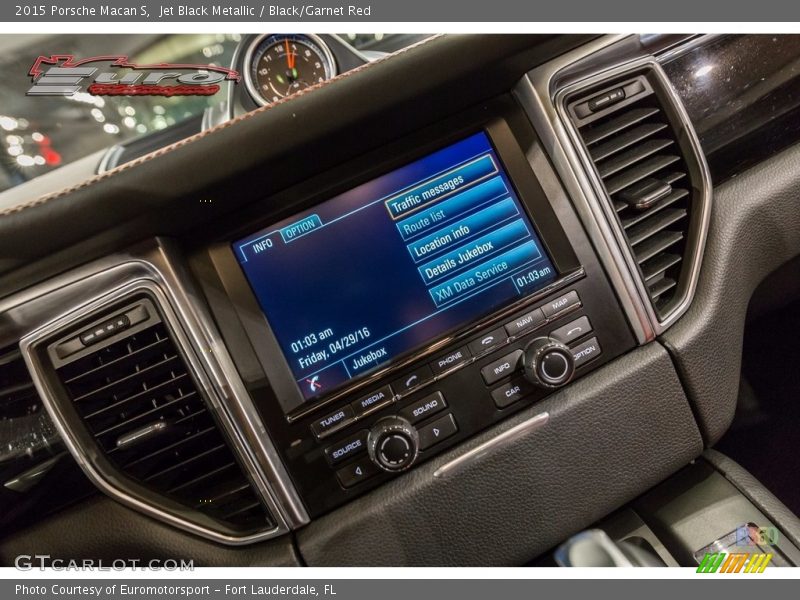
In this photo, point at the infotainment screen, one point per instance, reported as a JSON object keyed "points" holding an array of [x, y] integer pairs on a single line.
{"points": [[393, 264]]}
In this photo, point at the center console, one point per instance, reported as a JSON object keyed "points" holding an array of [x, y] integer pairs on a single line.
{"points": [[408, 302]]}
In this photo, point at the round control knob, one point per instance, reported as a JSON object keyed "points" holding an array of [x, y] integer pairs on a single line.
{"points": [[393, 444], [548, 363]]}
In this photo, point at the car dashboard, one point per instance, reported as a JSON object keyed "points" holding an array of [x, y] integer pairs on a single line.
{"points": [[452, 324]]}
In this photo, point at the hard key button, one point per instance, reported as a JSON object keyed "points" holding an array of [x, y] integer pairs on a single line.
{"points": [[355, 473], [561, 304], [433, 433], [502, 367], [529, 320], [586, 351], [332, 422], [511, 392], [572, 330], [372, 401], [424, 407], [450, 360], [488, 341], [412, 380], [347, 448]]}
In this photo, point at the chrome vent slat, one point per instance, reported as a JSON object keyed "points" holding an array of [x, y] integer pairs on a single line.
{"points": [[150, 413], [202, 477], [658, 243], [631, 157], [640, 171], [636, 217], [629, 138], [161, 364], [648, 228], [173, 468], [637, 154], [137, 396], [169, 447], [660, 263], [620, 123], [661, 286], [115, 362], [147, 416]]}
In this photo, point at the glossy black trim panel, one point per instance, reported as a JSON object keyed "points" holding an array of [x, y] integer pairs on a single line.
{"points": [[742, 93]]}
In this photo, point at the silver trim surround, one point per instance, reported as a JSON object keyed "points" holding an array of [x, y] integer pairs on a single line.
{"points": [[544, 103], [701, 203], [331, 69], [39, 313], [458, 464], [534, 94]]}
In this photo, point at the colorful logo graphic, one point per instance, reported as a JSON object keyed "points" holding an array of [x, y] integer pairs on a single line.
{"points": [[737, 562]]}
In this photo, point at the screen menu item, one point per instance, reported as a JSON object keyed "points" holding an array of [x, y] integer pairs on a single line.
{"points": [[394, 264]]}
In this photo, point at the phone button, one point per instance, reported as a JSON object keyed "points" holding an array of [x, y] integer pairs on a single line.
{"points": [[412, 380], [488, 341], [572, 331]]}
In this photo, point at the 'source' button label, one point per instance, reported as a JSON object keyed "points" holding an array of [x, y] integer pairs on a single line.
{"points": [[347, 448]]}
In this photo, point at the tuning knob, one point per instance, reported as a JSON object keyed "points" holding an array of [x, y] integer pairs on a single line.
{"points": [[548, 363], [393, 444]]}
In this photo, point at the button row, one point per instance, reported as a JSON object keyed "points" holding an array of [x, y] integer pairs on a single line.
{"points": [[384, 396], [518, 388], [429, 435]]}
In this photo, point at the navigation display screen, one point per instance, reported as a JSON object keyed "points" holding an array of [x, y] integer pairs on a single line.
{"points": [[394, 264]]}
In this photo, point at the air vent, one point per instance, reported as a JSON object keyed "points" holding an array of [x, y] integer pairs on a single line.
{"points": [[144, 412], [25, 427], [637, 152]]}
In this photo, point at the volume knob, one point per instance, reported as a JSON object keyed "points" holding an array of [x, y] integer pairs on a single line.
{"points": [[393, 444], [548, 363]]}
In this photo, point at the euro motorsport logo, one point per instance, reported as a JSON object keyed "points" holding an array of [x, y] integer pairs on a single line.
{"points": [[115, 75]]}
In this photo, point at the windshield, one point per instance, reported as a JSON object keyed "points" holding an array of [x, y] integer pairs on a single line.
{"points": [[41, 133]]}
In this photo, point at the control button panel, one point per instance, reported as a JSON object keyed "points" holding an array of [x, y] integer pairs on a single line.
{"points": [[562, 304], [488, 342], [390, 427], [526, 322]]}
